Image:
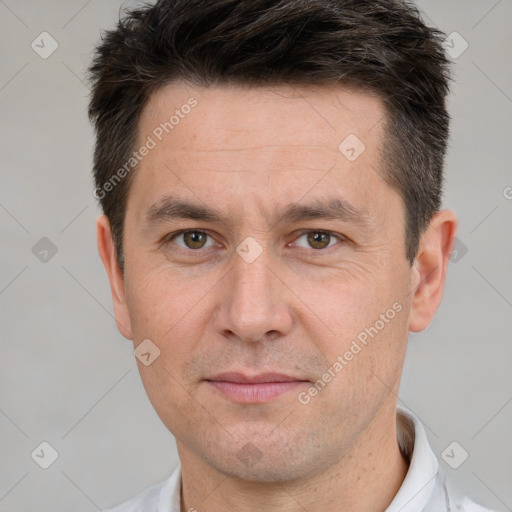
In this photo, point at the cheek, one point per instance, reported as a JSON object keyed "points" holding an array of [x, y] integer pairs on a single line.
{"points": [[343, 302], [361, 318], [161, 300], [173, 312]]}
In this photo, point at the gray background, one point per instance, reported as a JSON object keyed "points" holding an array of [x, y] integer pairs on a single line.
{"points": [[69, 378]]}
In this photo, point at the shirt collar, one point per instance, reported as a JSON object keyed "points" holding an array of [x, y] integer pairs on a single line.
{"points": [[423, 487]]}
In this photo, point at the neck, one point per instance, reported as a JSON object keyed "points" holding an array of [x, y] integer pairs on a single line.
{"points": [[365, 479]]}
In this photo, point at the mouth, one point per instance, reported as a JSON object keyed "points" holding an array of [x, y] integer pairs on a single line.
{"points": [[262, 388]]}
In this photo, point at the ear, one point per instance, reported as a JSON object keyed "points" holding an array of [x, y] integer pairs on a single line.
{"points": [[429, 268], [106, 249]]}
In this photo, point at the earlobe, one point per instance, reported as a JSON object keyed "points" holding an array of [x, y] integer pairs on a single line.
{"points": [[429, 269], [107, 252]]}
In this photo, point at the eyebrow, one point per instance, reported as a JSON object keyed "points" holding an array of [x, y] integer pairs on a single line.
{"points": [[169, 208]]}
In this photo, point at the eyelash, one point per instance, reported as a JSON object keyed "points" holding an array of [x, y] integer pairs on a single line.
{"points": [[176, 234]]}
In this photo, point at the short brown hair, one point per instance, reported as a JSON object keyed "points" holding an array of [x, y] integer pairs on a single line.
{"points": [[381, 46]]}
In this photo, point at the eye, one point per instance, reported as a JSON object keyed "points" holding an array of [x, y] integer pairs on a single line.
{"points": [[191, 239], [318, 239]]}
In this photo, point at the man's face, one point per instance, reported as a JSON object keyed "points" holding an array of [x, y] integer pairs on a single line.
{"points": [[292, 300]]}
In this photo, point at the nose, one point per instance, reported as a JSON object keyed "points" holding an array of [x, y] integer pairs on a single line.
{"points": [[255, 302]]}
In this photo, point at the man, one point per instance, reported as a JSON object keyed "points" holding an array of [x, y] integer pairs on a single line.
{"points": [[270, 174]]}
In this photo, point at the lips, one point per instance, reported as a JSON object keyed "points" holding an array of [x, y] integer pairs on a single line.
{"points": [[243, 388], [241, 378]]}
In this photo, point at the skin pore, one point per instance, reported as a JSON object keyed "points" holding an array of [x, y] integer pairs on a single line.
{"points": [[264, 163]]}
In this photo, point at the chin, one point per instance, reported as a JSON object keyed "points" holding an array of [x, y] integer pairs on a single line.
{"points": [[271, 471], [265, 461]]}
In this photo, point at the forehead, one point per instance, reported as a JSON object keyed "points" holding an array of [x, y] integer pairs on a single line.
{"points": [[227, 143], [301, 115]]}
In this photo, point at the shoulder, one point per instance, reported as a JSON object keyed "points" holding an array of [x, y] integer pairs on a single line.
{"points": [[146, 500], [459, 500], [467, 505], [161, 497]]}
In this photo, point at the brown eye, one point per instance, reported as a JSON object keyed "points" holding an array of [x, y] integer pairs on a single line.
{"points": [[191, 239], [194, 239], [318, 240]]}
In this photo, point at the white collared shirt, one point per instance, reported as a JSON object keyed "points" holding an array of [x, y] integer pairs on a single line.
{"points": [[424, 488]]}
